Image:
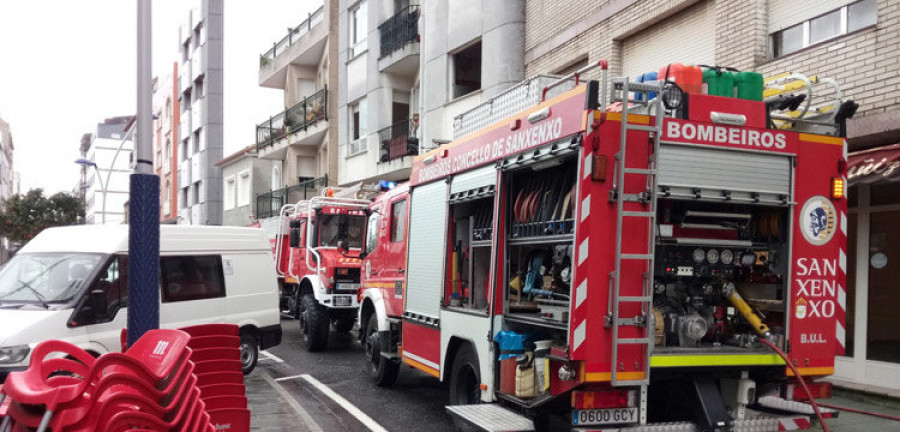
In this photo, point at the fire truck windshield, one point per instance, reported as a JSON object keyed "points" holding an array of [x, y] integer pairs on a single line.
{"points": [[336, 227]]}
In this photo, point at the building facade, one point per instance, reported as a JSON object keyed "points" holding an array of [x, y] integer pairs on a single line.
{"points": [[167, 111], [200, 88], [245, 177], [850, 41], [7, 178], [106, 188], [406, 70], [300, 142]]}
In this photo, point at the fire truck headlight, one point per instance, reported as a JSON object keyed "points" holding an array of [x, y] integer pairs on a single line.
{"points": [[672, 96], [566, 373]]}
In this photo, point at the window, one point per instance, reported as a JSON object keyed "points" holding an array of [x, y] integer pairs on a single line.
{"points": [[195, 193], [230, 192], [358, 128], [243, 188], [337, 227], [276, 176], [372, 233], [466, 71], [184, 197], [398, 221], [186, 278], [832, 24], [359, 29], [112, 282]]}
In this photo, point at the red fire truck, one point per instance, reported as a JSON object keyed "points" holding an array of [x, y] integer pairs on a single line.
{"points": [[618, 268], [316, 253]]}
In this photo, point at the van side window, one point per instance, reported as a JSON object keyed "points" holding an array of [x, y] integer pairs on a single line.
{"points": [[186, 278], [398, 221], [113, 282]]}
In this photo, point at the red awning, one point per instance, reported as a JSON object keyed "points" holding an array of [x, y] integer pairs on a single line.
{"points": [[874, 165]]}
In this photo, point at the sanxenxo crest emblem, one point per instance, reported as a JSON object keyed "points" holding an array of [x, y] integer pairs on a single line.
{"points": [[818, 219], [801, 308]]}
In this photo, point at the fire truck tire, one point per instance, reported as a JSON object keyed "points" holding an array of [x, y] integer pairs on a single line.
{"points": [[313, 324], [297, 300], [465, 378], [343, 320], [382, 371]]}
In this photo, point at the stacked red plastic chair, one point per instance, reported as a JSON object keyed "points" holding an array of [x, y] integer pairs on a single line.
{"points": [[216, 356], [150, 387]]}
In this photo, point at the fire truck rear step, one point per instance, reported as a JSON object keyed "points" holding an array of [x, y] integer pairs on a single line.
{"points": [[491, 418], [777, 403]]}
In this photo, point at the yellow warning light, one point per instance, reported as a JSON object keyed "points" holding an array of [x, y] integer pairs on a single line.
{"points": [[837, 187], [329, 193]]}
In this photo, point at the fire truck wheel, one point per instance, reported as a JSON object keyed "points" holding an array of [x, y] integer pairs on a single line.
{"points": [[465, 381], [296, 304], [382, 371], [249, 352], [343, 321], [313, 324]]}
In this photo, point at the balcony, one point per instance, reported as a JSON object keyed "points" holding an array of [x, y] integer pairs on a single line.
{"points": [[400, 42], [269, 204], [303, 45], [396, 143], [299, 117]]}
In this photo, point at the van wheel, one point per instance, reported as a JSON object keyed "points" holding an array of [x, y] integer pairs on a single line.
{"points": [[343, 320], [382, 371], [249, 352], [313, 324]]}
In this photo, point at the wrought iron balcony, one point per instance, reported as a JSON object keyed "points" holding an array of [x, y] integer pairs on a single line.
{"points": [[294, 35], [296, 118], [399, 30], [269, 204], [396, 142]]}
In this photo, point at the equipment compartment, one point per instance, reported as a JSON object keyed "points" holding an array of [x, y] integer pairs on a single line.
{"points": [[719, 276], [540, 238]]}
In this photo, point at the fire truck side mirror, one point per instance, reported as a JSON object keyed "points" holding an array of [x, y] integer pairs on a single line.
{"points": [[295, 237]]}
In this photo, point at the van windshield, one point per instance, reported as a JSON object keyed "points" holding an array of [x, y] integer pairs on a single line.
{"points": [[47, 277], [336, 227]]}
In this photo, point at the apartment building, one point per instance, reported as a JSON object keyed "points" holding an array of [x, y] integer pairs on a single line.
{"points": [[7, 178], [406, 70], [167, 113], [299, 144], [200, 88], [106, 182], [849, 40]]}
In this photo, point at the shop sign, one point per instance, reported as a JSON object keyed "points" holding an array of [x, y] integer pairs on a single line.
{"points": [[870, 166]]}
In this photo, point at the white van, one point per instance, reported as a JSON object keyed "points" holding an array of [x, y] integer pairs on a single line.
{"points": [[70, 283]]}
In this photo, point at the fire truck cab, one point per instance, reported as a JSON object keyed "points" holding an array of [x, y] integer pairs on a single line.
{"points": [[556, 258], [316, 254]]}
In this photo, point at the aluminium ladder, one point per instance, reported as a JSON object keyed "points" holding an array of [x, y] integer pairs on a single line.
{"points": [[621, 89]]}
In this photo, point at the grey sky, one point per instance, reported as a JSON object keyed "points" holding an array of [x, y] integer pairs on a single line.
{"points": [[69, 64]]}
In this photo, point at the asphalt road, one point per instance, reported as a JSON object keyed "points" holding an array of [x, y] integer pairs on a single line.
{"points": [[415, 402]]}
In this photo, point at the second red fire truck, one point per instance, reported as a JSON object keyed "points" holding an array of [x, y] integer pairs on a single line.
{"points": [[621, 255]]}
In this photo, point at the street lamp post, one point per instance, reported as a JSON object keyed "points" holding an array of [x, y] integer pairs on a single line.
{"points": [[89, 163]]}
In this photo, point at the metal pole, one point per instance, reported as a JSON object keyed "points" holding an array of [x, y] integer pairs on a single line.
{"points": [[143, 238], [102, 195]]}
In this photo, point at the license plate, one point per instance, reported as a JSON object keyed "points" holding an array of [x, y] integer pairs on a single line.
{"points": [[343, 300], [347, 286], [605, 416]]}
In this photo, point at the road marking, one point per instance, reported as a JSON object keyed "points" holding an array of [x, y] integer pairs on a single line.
{"points": [[344, 403], [271, 356], [301, 412]]}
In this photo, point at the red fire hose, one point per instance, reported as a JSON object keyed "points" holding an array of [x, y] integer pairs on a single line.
{"points": [[799, 378]]}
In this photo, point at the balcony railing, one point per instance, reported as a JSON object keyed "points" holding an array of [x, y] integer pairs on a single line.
{"points": [[296, 118], [293, 35], [399, 30], [395, 142], [269, 204]]}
